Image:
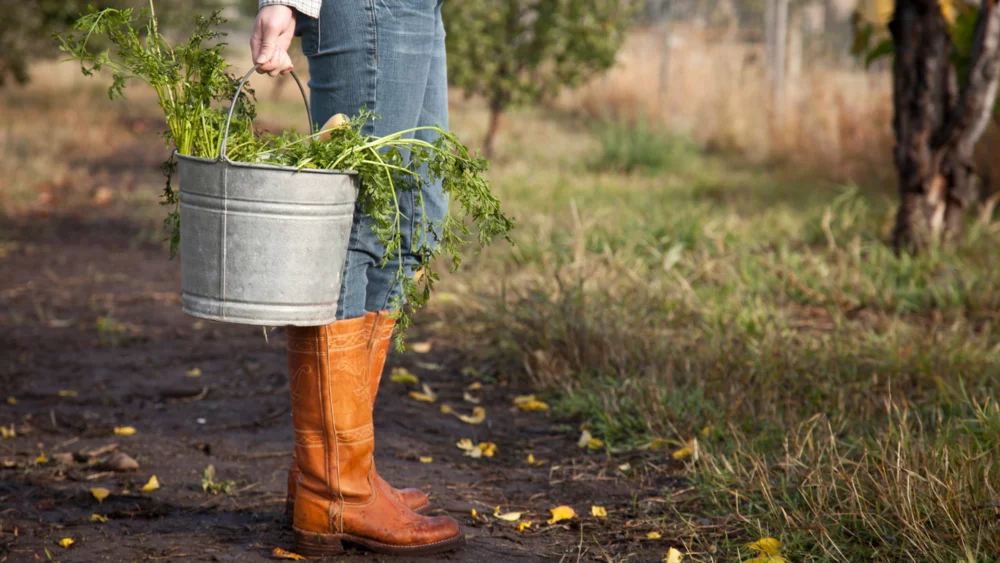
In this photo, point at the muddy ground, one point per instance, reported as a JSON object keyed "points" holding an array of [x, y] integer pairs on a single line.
{"points": [[90, 307]]}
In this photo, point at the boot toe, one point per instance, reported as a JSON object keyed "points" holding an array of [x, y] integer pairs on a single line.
{"points": [[415, 499], [443, 528]]}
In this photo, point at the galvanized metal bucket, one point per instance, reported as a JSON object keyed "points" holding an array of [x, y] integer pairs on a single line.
{"points": [[263, 245]]}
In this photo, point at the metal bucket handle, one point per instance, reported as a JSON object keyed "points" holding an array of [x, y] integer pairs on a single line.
{"points": [[236, 96]]}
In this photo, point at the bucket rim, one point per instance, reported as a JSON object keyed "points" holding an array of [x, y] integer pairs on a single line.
{"points": [[264, 166]]}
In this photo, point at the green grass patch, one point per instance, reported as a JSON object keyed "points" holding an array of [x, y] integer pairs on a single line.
{"points": [[641, 146], [843, 397]]}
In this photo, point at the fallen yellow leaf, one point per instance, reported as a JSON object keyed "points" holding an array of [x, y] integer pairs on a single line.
{"points": [[509, 517], [523, 526], [421, 347], [98, 519], [561, 513], [654, 535], [690, 449], [475, 514], [100, 494], [654, 444], [674, 556], [285, 554], [534, 406], [488, 448], [766, 546], [767, 559], [427, 396], [468, 398], [6, 432], [403, 375], [429, 366], [598, 511], [66, 542], [65, 393], [706, 431], [528, 403], [151, 485], [41, 459], [423, 397], [531, 459], [124, 430], [427, 459], [478, 416], [194, 372], [588, 441], [521, 399], [445, 409], [11, 401], [475, 386]]}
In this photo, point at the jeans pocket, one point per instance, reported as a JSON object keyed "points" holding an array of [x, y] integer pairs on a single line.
{"points": [[308, 29]]}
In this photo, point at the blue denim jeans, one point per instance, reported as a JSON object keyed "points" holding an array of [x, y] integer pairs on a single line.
{"points": [[387, 56]]}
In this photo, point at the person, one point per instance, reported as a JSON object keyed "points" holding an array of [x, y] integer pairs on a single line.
{"points": [[389, 57]]}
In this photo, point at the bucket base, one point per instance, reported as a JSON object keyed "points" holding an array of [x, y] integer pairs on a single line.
{"points": [[258, 314]]}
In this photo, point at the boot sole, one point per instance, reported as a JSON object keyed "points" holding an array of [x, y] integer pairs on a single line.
{"points": [[315, 544]]}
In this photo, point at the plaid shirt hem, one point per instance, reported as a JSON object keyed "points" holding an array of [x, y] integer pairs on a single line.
{"points": [[306, 7]]}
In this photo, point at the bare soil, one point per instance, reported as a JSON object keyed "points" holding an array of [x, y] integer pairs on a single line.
{"points": [[90, 304]]}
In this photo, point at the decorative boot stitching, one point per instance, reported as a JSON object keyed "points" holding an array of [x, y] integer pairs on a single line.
{"points": [[297, 378], [357, 435], [309, 439], [350, 340], [358, 373]]}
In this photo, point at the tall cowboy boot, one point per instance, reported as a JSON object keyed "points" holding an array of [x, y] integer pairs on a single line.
{"points": [[338, 498], [383, 323], [380, 325]]}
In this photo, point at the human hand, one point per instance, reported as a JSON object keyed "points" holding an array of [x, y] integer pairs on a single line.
{"points": [[271, 38]]}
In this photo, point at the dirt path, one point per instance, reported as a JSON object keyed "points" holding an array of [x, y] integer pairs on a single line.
{"points": [[87, 309]]}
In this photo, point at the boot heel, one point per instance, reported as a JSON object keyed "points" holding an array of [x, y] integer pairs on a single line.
{"points": [[312, 544]]}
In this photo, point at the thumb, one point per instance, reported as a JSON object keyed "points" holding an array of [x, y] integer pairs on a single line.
{"points": [[266, 52]]}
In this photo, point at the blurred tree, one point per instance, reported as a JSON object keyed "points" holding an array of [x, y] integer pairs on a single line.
{"points": [[522, 51], [946, 72], [26, 28], [25, 32]]}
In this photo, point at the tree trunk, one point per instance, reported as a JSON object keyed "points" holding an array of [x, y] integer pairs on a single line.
{"points": [[777, 42], [665, 53], [936, 125], [496, 108]]}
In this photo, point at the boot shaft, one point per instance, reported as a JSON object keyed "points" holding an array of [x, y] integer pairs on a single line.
{"points": [[331, 388], [382, 326]]}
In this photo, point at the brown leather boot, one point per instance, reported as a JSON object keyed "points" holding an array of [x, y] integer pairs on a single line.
{"points": [[338, 497], [380, 325], [383, 324]]}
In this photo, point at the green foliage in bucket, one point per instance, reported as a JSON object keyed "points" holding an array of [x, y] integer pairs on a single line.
{"points": [[193, 86]]}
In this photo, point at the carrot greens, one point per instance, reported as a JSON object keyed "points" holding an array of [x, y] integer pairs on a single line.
{"points": [[193, 87]]}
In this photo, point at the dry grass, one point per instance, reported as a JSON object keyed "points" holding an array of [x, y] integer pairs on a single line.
{"points": [[836, 120], [842, 397]]}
